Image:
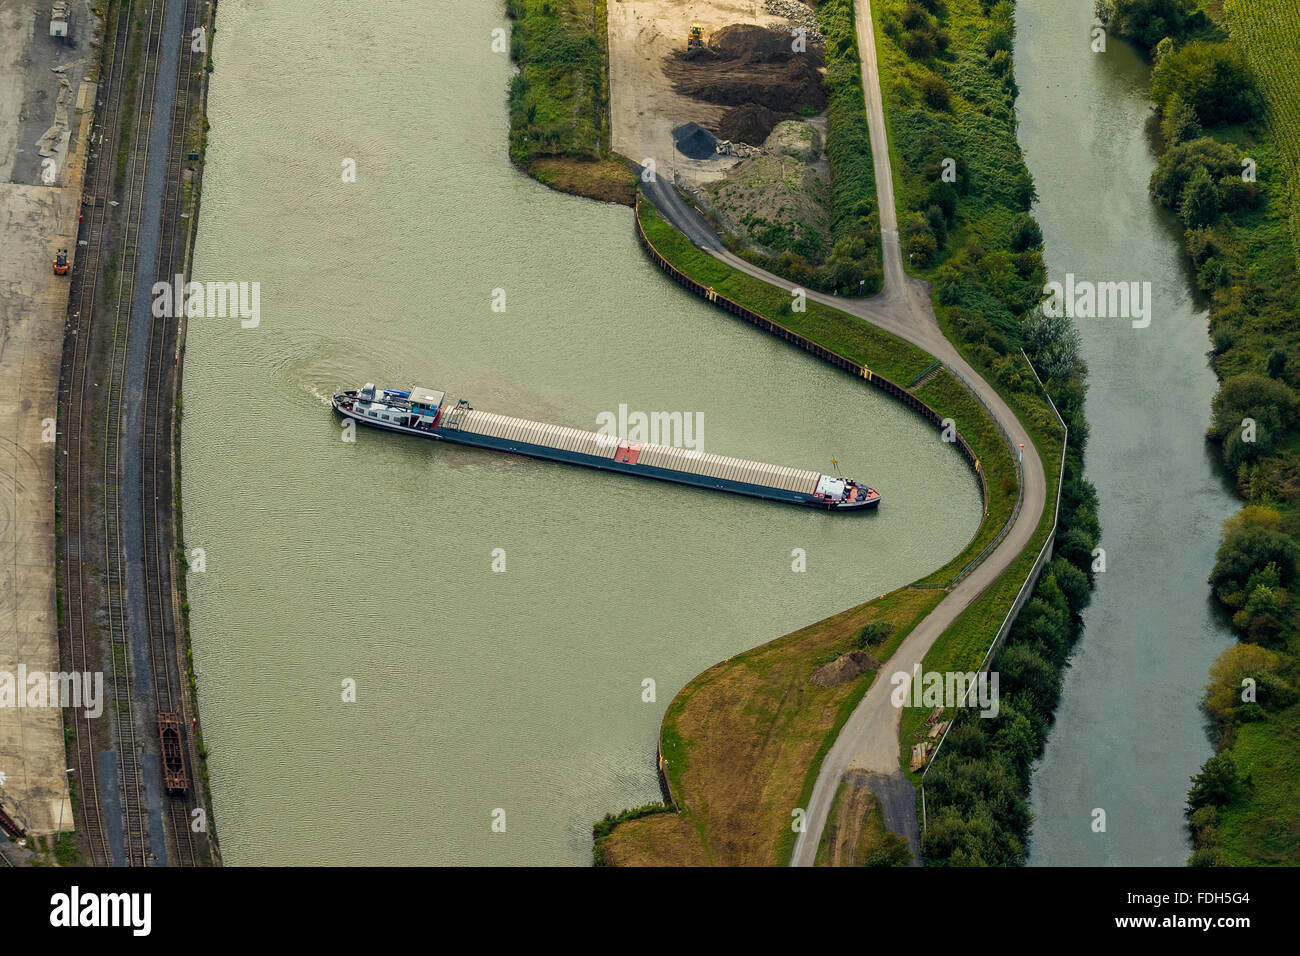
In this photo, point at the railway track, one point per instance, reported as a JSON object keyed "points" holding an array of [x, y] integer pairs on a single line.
{"points": [[136, 846], [79, 634], [133, 707], [157, 443]]}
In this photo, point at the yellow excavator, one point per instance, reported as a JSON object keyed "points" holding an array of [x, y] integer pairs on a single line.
{"points": [[695, 39], [61, 262]]}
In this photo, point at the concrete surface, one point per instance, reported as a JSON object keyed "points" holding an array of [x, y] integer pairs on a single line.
{"points": [[37, 116]]}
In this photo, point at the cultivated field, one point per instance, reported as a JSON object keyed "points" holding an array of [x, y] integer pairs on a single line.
{"points": [[1269, 32]]}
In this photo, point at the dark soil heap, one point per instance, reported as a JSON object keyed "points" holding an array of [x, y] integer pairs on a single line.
{"points": [[846, 667], [749, 123], [745, 64]]}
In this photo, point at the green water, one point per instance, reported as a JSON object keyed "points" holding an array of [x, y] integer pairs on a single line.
{"points": [[1129, 732], [372, 561]]}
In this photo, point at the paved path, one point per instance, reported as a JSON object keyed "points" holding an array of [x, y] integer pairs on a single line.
{"points": [[869, 739]]}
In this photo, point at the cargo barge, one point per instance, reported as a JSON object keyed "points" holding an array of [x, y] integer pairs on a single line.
{"points": [[426, 412]]}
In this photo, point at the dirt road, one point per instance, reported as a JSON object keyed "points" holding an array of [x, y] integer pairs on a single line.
{"points": [[869, 739]]}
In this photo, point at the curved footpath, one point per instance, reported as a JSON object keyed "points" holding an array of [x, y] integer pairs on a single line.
{"points": [[869, 739]]}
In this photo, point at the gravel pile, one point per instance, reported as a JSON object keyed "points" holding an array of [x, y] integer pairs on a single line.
{"points": [[801, 14], [694, 141]]}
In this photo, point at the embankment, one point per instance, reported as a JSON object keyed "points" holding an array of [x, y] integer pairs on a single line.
{"points": [[962, 198], [739, 737], [759, 711], [559, 99]]}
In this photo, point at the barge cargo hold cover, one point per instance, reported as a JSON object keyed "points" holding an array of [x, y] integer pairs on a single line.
{"points": [[425, 412]]}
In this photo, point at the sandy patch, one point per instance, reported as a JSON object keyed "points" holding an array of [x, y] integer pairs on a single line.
{"points": [[644, 108]]}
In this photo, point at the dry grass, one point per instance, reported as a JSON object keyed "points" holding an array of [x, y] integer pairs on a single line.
{"points": [[755, 729], [607, 180], [664, 839]]}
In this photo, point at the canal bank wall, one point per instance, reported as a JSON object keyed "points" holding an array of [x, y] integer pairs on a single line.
{"points": [[899, 393], [855, 369]]}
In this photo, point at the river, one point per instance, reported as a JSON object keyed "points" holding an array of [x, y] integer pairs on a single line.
{"points": [[1129, 731], [328, 561]]}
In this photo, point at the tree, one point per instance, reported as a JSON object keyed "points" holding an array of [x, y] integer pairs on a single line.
{"points": [[1216, 785], [1073, 584], [944, 195], [1200, 200], [1235, 193], [1025, 233], [1212, 78], [1075, 546], [1243, 553], [1023, 190], [1252, 415], [1269, 402], [1016, 741], [1240, 661], [1021, 669], [938, 223], [1053, 343], [1179, 162], [1146, 21], [1178, 123]]}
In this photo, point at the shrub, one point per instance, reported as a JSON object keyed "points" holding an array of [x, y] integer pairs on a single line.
{"points": [[1200, 203], [1026, 233], [1216, 785], [1245, 551], [1178, 164], [919, 44], [872, 634], [935, 91], [1210, 78], [922, 247], [1241, 399], [1146, 21]]}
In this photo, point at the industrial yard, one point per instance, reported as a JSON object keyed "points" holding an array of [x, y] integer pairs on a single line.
{"points": [[45, 92], [699, 88], [109, 105]]}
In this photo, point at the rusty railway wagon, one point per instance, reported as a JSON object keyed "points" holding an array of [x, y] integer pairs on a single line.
{"points": [[173, 755]]}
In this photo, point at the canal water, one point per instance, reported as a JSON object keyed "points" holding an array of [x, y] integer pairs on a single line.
{"points": [[1129, 732], [371, 562]]}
